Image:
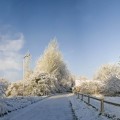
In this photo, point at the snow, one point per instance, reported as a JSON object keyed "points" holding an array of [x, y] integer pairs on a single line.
{"points": [[56, 107], [3, 108], [15, 103], [113, 110], [83, 111], [53, 108], [109, 110]]}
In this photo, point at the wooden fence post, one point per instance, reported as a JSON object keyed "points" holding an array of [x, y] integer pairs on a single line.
{"points": [[82, 97], [78, 96], [88, 99], [102, 106]]}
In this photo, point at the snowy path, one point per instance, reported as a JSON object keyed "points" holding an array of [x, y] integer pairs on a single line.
{"points": [[53, 108]]}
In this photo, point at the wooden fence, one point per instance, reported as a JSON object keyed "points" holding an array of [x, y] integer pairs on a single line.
{"points": [[101, 100]]}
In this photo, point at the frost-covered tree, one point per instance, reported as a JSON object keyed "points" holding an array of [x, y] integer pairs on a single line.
{"points": [[109, 75], [88, 86], [79, 80], [106, 81], [112, 86], [91, 87], [15, 89], [3, 86], [51, 62], [106, 71]]}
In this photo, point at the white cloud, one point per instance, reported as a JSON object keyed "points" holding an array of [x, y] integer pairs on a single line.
{"points": [[10, 56], [8, 44]]}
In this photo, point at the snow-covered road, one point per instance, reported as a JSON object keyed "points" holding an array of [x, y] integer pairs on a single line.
{"points": [[53, 108]]}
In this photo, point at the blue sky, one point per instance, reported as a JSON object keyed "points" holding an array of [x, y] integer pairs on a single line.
{"points": [[88, 33]]}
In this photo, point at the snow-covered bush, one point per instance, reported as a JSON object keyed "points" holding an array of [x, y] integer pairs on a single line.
{"points": [[3, 86], [44, 84], [15, 89], [89, 87], [80, 79], [112, 86]]}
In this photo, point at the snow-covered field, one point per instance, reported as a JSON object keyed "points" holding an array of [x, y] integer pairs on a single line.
{"points": [[56, 107], [14, 103], [109, 110], [113, 110], [83, 111]]}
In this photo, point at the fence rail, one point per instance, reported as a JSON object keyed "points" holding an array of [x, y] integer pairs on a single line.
{"points": [[102, 101]]}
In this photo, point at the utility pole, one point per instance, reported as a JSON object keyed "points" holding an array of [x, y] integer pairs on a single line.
{"points": [[26, 64]]}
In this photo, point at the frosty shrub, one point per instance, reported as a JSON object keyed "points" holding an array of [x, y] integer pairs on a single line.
{"points": [[112, 86], [109, 75], [89, 87], [15, 89], [3, 86], [80, 79], [44, 84]]}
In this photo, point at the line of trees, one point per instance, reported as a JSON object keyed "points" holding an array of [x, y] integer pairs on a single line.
{"points": [[51, 75], [106, 81]]}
